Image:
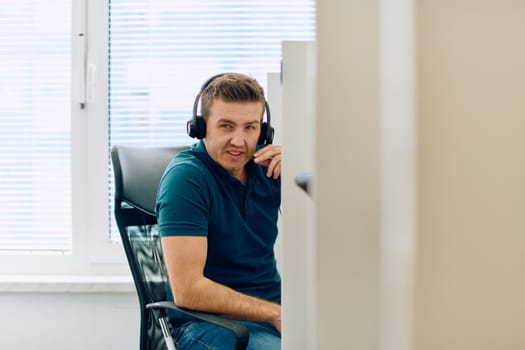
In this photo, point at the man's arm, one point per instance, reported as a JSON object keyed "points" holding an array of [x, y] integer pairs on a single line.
{"points": [[185, 257]]}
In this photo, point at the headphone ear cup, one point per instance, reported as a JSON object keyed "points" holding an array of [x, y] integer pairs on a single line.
{"points": [[270, 131], [190, 128], [196, 127], [262, 135], [266, 136]]}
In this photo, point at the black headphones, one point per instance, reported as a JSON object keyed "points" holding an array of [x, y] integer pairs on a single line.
{"points": [[196, 126]]}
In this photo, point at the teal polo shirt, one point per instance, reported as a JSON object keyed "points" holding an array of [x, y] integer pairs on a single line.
{"points": [[197, 197]]}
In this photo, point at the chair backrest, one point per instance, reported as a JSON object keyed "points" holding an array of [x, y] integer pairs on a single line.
{"points": [[137, 175]]}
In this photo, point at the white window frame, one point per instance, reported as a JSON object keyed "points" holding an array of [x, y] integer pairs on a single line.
{"points": [[96, 118], [93, 253]]}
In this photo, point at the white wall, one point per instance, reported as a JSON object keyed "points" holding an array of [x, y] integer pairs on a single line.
{"points": [[64, 321]]}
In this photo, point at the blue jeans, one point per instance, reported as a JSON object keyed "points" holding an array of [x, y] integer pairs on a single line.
{"points": [[199, 335]]}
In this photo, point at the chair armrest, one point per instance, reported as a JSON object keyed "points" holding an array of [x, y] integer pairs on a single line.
{"points": [[240, 331]]}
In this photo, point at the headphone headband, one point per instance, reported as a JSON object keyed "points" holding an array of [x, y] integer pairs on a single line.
{"points": [[196, 126]]}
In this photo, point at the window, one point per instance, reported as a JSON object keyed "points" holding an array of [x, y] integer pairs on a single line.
{"points": [[35, 128], [137, 68]]}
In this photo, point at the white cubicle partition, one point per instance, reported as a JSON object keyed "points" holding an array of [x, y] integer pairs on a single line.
{"points": [[297, 220], [274, 98]]}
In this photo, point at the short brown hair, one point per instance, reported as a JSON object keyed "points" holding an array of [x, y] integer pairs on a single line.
{"points": [[231, 87]]}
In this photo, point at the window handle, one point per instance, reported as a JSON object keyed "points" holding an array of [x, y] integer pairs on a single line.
{"points": [[82, 52]]}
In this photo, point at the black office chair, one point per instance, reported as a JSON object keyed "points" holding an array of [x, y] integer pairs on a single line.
{"points": [[137, 175]]}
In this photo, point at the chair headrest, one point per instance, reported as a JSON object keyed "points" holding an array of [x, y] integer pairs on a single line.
{"points": [[138, 171]]}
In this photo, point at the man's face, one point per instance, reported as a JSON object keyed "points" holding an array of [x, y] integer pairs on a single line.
{"points": [[232, 131]]}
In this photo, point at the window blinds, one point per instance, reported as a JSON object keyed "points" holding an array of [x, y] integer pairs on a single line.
{"points": [[161, 51], [35, 141]]}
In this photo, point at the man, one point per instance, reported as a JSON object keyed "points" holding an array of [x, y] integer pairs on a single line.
{"points": [[217, 209]]}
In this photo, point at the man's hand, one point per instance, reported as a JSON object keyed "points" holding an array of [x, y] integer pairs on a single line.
{"points": [[275, 319], [277, 324], [270, 157]]}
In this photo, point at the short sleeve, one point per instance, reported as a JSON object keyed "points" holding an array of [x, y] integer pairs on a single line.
{"points": [[183, 201]]}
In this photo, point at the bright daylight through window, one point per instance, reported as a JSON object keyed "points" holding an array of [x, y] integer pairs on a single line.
{"points": [[156, 53], [35, 128]]}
